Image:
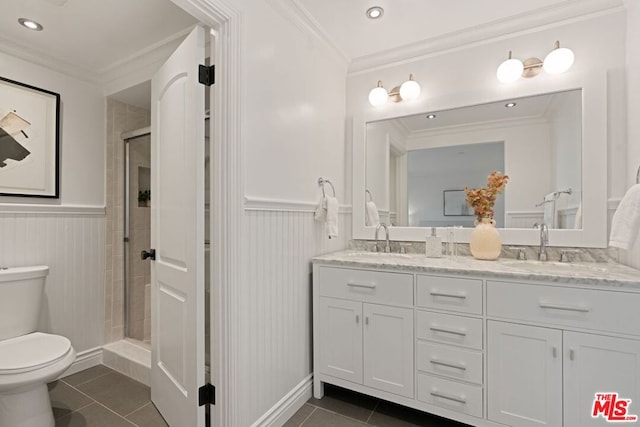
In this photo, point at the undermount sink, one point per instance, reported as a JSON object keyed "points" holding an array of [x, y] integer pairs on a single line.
{"points": [[378, 254], [555, 266]]}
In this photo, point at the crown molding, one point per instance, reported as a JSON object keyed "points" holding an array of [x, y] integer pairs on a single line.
{"points": [[567, 12], [298, 15]]}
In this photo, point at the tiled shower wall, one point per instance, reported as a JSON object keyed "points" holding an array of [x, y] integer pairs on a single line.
{"points": [[120, 118]]}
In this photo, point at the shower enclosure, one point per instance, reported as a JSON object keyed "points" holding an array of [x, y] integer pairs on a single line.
{"points": [[137, 231]]}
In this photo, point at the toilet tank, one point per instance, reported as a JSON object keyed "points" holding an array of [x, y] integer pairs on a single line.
{"points": [[21, 292]]}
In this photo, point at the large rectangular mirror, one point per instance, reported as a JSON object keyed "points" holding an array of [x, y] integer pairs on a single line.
{"points": [[418, 166], [552, 144]]}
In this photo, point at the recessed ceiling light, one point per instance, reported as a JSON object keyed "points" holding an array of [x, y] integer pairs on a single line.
{"points": [[431, 116], [28, 23], [510, 104], [375, 12]]}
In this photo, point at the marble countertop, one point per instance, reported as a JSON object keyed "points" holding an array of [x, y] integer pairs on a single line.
{"points": [[580, 273]]}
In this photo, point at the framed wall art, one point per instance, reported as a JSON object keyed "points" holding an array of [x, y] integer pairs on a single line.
{"points": [[29, 140], [455, 203]]}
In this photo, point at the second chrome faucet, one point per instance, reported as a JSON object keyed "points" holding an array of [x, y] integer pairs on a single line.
{"points": [[387, 247]]}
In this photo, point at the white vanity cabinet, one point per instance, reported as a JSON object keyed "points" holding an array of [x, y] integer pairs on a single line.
{"points": [[358, 336], [549, 374], [489, 349]]}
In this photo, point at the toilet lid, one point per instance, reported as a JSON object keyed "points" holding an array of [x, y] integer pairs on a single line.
{"points": [[31, 351]]}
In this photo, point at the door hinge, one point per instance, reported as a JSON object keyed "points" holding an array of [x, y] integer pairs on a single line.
{"points": [[207, 395], [207, 74]]}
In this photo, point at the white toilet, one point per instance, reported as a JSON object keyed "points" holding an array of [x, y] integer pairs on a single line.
{"points": [[28, 359]]}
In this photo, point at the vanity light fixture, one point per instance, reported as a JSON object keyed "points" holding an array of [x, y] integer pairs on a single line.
{"points": [[409, 90], [30, 24], [375, 12], [557, 61]]}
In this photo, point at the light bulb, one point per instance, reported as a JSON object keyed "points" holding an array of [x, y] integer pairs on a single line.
{"points": [[378, 95], [558, 60], [410, 89], [510, 70]]}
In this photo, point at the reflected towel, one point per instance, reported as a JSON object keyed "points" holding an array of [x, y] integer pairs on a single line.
{"points": [[626, 220], [332, 217], [549, 217], [577, 222], [371, 214]]}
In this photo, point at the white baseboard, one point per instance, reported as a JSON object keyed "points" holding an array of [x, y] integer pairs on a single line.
{"points": [[288, 405], [85, 360]]}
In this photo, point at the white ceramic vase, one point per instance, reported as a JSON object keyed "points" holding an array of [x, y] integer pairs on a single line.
{"points": [[485, 240]]}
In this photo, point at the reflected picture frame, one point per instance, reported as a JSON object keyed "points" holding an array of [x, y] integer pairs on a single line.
{"points": [[29, 140], [455, 203]]}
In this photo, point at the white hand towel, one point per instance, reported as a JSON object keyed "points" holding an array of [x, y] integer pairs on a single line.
{"points": [[577, 222], [549, 217], [626, 220], [332, 217], [321, 210], [371, 214]]}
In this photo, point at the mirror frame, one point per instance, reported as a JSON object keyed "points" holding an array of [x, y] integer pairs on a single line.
{"points": [[594, 164]]}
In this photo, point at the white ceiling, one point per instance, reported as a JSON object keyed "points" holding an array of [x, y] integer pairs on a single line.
{"points": [[408, 21], [94, 35]]}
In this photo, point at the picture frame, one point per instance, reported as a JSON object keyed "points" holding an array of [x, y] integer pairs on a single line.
{"points": [[455, 203], [29, 141]]}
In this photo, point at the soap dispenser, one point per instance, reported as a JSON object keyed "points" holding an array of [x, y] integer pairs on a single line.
{"points": [[433, 245]]}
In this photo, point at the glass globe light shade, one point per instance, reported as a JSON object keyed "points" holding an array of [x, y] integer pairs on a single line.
{"points": [[558, 61], [409, 90], [510, 70], [378, 96]]}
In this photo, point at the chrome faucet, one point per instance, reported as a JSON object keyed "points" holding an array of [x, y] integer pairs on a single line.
{"points": [[387, 247], [544, 241]]}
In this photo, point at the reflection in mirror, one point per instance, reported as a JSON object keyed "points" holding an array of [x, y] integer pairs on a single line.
{"points": [[417, 166]]}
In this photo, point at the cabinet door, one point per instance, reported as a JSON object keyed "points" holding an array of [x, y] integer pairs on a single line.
{"points": [[341, 339], [388, 349], [597, 364], [524, 375]]}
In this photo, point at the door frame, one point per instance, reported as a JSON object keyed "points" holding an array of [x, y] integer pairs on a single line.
{"points": [[227, 209]]}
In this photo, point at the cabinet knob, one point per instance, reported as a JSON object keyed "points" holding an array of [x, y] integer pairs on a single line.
{"points": [[554, 351], [572, 354]]}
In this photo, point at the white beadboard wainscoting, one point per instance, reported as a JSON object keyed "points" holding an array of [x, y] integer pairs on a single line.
{"points": [[280, 239], [71, 241]]}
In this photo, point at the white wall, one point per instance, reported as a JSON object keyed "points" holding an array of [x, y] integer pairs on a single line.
{"points": [[65, 234], [294, 132], [466, 76]]}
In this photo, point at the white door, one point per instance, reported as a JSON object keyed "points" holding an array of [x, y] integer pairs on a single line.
{"points": [[388, 349], [596, 364], [177, 234], [341, 339], [525, 375]]}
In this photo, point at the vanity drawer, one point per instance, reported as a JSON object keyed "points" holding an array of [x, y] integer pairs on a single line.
{"points": [[449, 329], [572, 307], [450, 293], [368, 286], [448, 361], [463, 398]]}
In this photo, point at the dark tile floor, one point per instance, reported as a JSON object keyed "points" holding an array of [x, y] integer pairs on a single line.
{"points": [[101, 397], [344, 408]]}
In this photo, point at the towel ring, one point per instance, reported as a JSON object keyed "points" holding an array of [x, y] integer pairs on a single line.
{"points": [[322, 182], [369, 193]]}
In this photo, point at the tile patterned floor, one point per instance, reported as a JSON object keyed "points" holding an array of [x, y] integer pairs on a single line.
{"points": [[344, 408], [101, 397]]}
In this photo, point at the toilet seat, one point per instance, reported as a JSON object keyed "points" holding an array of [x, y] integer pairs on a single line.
{"points": [[31, 352]]}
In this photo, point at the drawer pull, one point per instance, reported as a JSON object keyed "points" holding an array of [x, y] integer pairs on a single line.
{"points": [[443, 294], [448, 331], [445, 396], [564, 307], [449, 365], [361, 285], [357, 319]]}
